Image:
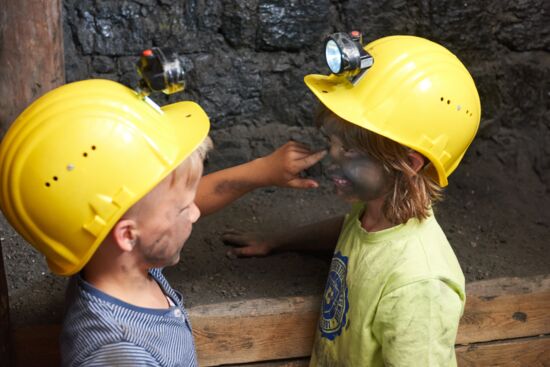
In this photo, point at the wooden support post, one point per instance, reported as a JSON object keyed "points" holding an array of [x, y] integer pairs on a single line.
{"points": [[31, 54], [4, 313], [31, 63]]}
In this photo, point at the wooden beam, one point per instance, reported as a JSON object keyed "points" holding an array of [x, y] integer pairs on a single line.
{"points": [[260, 330], [531, 352], [505, 308], [297, 362], [255, 330]]}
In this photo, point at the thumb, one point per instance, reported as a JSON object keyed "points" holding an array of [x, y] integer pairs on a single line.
{"points": [[303, 183]]}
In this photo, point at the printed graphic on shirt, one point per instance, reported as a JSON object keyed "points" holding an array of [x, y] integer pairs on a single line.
{"points": [[335, 299]]}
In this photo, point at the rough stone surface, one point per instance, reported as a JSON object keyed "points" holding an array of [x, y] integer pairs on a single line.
{"points": [[245, 62]]}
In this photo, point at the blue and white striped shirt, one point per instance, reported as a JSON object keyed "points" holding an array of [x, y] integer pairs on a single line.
{"points": [[100, 330]]}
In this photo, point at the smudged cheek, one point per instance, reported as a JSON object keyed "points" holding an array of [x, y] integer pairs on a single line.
{"points": [[367, 178]]}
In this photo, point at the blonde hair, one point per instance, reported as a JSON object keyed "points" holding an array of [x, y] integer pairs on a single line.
{"points": [[190, 170], [412, 194], [191, 167]]}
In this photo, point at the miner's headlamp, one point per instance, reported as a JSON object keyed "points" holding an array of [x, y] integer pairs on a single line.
{"points": [[345, 55], [160, 70]]}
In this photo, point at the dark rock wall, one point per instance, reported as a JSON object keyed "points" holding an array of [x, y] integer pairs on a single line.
{"points": [[247, 58]]}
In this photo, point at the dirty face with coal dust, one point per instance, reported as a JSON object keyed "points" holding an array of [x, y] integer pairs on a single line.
{"points": [[356, 175]]}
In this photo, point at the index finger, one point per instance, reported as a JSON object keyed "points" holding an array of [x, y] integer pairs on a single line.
{"points": [[311, 159]]}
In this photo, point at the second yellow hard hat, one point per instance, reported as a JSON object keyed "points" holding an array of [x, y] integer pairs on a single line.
{"points": [[416, 93]]}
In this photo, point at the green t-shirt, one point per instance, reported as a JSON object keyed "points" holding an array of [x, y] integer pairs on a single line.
{"points": [[392, 298]]}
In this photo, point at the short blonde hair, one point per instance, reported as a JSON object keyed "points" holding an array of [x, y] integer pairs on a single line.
{"points": [[190, 170], [412, 193], [191, 167]]}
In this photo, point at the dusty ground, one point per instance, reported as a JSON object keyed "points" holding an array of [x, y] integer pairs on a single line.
{"points": [[495, 215]]}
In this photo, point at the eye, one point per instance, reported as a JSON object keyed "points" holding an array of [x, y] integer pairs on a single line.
{"points": [[349, 151]]}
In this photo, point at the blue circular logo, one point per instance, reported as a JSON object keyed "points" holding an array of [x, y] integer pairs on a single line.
{"points": [[335, 299]]}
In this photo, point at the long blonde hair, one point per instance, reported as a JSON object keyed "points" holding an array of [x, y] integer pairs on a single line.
{"points": [[412, 194]]}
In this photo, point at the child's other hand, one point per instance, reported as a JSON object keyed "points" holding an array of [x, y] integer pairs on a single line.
{"points": [[246, 244], [283, 166]]}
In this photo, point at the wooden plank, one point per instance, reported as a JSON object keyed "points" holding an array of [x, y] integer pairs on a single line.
{"points": [[283, 328], [31, 54], [527, 352], [505, 308], [531, 352], [297, 362], [255, 330]]}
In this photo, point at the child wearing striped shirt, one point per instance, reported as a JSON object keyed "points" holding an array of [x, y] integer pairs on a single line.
{"points": [[104, 184]]}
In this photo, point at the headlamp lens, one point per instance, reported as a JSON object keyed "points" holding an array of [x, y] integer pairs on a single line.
{"points": [[333, 56]]}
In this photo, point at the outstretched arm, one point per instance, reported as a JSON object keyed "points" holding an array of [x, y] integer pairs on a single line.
{"points": [[280, 168], [316, 237]]}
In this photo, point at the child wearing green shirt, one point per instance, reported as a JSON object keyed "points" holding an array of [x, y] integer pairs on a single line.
{"points": [[400, 114]]}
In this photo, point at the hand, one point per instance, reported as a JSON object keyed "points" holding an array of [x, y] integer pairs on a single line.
{"points": [[247, 244], [283, 166]]}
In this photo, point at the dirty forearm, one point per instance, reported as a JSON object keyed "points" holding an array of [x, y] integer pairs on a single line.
{"points": [[316, 237], [219, 189]]}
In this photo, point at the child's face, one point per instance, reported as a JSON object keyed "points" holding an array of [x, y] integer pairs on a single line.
{"points": [[356, 175], [167, 225]]}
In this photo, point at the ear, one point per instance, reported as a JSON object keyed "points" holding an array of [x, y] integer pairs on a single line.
{"points": [[125, 234], [416, 160]]}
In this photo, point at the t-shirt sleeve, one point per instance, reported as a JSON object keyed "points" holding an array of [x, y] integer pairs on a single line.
{"points": [[417, 324], [120, 354]]}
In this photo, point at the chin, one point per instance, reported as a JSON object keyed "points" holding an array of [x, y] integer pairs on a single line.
{"points": [[345, 195]]}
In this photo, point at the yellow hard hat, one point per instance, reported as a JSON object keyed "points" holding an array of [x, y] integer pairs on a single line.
{"points": [[416, 93], [80, 156]]}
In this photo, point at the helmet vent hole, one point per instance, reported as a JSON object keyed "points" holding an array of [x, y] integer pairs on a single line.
{"points": [[55, 178], [442, 99], [188, 115], [448, 101], [324, 91], [93, 147], [47, 184], [84, 154]]}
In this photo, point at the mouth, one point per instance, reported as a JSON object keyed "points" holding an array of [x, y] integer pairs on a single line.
{"points": [[340, 182]]}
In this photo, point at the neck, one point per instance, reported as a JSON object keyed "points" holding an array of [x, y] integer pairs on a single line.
{"points": [[119, 275], [373, 219]]}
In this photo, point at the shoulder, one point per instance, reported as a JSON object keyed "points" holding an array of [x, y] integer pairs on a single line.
{"points": [[424, 253], [120, 354], [89, 322]]}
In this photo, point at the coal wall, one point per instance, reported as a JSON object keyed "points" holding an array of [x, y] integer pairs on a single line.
{"points": [[246, 59]]}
